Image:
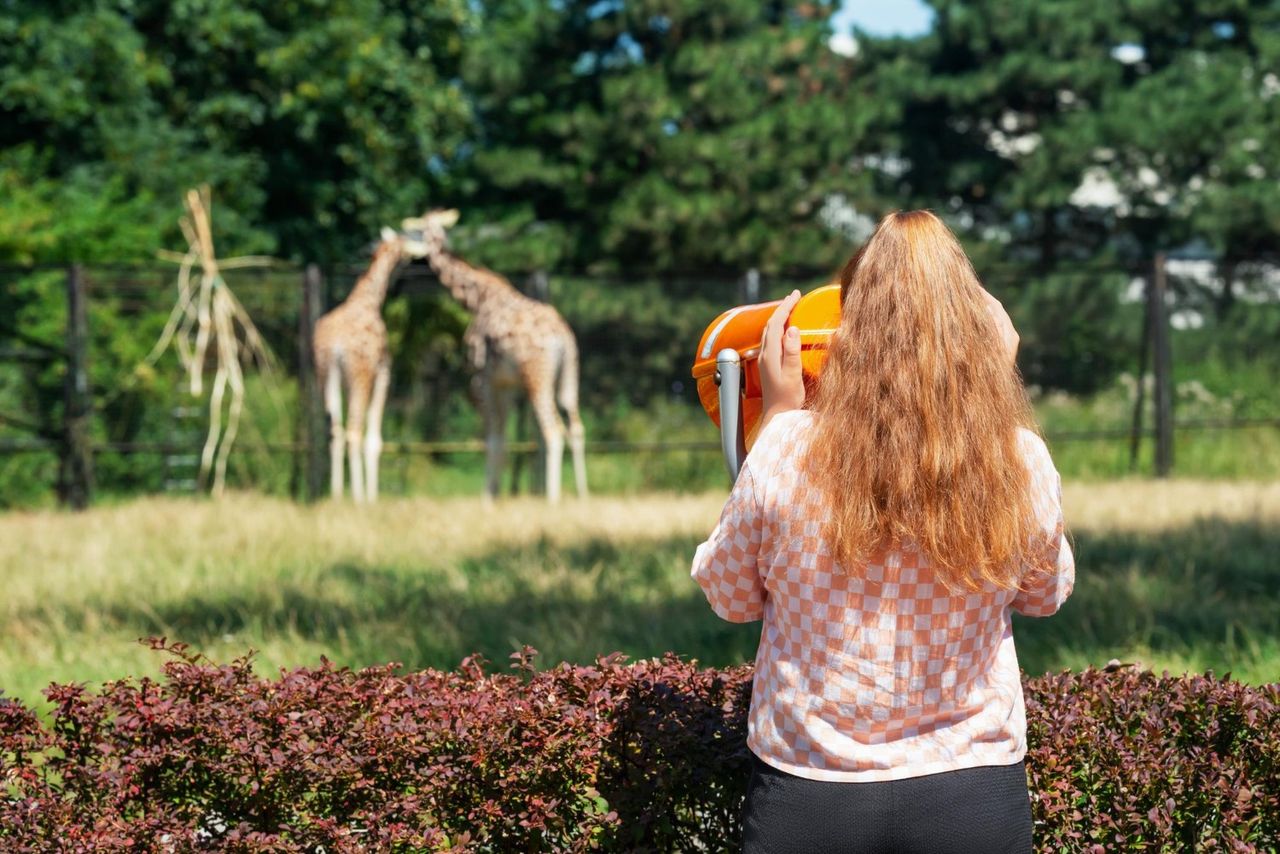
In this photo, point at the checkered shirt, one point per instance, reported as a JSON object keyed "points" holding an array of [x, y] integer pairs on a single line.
{"points": [[880, 673]]}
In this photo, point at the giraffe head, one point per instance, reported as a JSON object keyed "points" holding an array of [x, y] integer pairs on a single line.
{"points": [[408, 245], [429, 230]]}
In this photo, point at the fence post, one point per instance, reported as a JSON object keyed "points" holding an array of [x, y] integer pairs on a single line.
{"points": [[538, 286], [1163, 367], [1140, 393], [76, 469], [311, 425], [749, 287]]}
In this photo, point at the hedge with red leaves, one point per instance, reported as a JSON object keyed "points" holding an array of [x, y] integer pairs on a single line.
{"points": [[615, 756], [1131, 761]]}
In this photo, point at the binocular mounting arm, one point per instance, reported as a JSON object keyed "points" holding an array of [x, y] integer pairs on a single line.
{"points": [[729, 382]]}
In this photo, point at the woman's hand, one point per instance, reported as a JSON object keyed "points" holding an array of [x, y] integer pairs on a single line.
{"points": [[1004, 327], [781, 382]]}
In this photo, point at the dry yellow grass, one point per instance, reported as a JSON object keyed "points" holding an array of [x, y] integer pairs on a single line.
{"points": [[183, 535], [166, 546], [1144, 505], [80, 589], [425, 581]]}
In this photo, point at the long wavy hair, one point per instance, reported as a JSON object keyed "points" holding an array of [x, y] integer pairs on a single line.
{"points": [[916, 414]]}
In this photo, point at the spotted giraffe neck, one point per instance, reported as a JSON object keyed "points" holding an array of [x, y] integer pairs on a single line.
{"points": [[469, 285], [371, 289]]}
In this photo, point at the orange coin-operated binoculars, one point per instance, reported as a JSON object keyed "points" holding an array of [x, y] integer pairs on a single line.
{"points": [[727, 365]]}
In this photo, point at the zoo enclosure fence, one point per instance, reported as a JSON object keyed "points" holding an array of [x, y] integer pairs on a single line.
{"points": [[286, 301]]}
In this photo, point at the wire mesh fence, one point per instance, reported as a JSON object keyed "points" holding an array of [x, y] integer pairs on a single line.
{"points": [[144, 430]]}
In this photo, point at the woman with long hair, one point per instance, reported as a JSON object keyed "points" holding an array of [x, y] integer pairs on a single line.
{"points": [[884, 531]]}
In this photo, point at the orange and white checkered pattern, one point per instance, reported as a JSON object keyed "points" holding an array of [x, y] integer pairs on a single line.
{"points": [[880, 673]]}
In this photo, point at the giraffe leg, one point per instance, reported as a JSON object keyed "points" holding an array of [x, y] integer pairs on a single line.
{"points": [[542, 396], [357, 404], [333, 407], [568, 398], [497, 402], [578, 447], [373, 428]]}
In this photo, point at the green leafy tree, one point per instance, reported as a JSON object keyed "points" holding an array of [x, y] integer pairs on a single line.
{"points": [[315, 122], [1069, 136], [88, 215], [1188, 138], [660, 135]]}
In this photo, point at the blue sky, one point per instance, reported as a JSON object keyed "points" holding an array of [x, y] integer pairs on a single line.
{"points": [[884, 17]]}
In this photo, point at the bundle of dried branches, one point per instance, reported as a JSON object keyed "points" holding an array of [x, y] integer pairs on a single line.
{"points": [[207, 315]]}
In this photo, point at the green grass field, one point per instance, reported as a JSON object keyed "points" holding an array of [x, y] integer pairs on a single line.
{"points": [[1182, 575]]}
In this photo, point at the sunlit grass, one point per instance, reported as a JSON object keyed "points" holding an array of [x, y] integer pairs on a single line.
{"points": [[1181, 575]]}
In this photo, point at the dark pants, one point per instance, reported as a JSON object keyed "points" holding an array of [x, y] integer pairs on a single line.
{"points": [[983, 810]]}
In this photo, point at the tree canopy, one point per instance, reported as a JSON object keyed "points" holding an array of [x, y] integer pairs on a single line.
{"points": [[1065, 140], [1015, 110], [638, 134], [664, 135], [315, 122]]}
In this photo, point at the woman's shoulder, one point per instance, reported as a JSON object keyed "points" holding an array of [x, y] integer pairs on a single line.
{"points": [[1034, 450], [1029, 441], [781, 434]]}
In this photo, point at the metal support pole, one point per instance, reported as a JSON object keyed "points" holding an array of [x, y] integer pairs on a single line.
{"points": [[732, 438]]}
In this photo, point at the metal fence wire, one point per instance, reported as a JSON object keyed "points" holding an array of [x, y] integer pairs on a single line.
{"points": [[81, 408]]}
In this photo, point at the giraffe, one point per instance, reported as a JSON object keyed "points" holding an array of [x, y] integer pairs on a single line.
{"points": [[351, 356], [513, 341]]}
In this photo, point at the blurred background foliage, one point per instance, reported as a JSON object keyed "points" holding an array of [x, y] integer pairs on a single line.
{"points": [[646, 153]]}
